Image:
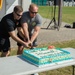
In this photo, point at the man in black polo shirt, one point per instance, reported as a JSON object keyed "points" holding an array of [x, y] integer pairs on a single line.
{"points": [[8, 25]]}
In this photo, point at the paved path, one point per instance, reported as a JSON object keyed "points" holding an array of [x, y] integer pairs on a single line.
{"points": [[53, 35]]}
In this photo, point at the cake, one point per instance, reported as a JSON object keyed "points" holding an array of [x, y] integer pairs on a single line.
{"points": [[44, 56]]}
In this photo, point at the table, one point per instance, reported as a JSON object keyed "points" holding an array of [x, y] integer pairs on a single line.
{"points": [[16, 65]]}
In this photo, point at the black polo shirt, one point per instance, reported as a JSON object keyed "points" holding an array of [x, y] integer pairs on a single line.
{"points": [[8, 24]]}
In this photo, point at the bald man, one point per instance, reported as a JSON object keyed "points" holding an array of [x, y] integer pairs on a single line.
{"points": [[31, 22]]}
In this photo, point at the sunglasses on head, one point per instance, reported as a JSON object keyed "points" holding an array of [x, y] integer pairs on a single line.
{"points": [[33, 12], [18, 14]]}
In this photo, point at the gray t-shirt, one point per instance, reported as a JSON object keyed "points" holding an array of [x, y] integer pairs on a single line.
{"points": [[32, 22]]}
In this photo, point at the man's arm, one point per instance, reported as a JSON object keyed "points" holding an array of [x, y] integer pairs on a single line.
{"points": [[14, 37], [25, 29], [35, 33], [21, 32]]}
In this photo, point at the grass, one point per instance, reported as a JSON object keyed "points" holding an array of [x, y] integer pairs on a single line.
{"points": [[68, 13], [63, 44], [62, 71]]}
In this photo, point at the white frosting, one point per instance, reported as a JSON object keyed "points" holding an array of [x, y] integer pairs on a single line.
{"points": [[43, 53]]}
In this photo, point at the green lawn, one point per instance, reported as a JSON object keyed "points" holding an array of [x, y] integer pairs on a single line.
{"points": [[68, 13], [61, 71]]}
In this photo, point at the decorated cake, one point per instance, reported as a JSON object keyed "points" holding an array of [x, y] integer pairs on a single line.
{"points": [[45, 56]]}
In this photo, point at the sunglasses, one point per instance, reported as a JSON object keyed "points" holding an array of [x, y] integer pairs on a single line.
{"points": [[18, 14], [33, 12]]}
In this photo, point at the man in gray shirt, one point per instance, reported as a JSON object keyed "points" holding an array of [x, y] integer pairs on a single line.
{"points": [[31, 22]]}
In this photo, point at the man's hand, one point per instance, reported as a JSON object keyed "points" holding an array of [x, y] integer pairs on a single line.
{"points": [[26, 44], [30, 45]]}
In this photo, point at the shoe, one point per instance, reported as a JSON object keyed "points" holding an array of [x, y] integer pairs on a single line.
{"points": [[35, 74], [35, 43]]}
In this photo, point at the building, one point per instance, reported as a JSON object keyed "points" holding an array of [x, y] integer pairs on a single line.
{"points": [[6, 6]]}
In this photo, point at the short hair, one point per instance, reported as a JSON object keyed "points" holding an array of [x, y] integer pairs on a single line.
{"points": [[32, 6], [18, 9]]}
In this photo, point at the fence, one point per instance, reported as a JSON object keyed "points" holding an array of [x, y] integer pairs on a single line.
{"points": [[50, 3], [68, 3], [40, 2]]}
